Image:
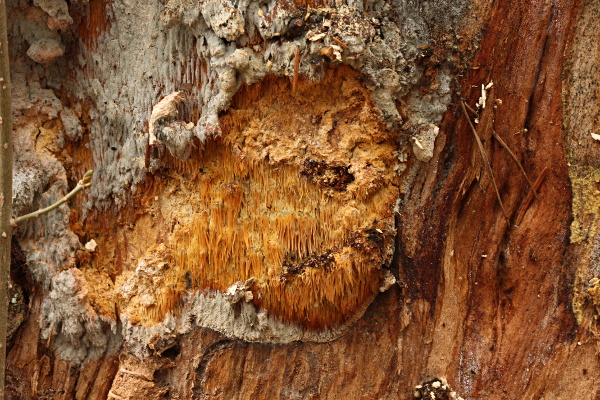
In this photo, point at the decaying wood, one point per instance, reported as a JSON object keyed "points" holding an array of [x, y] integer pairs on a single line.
{"points": [[492, 310]]}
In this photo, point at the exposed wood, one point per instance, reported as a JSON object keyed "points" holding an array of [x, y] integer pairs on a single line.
{"points": [[493, 286]]}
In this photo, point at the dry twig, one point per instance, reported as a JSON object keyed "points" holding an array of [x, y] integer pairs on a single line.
{"points": [[84, 183], [483, 155], [503, 143], [338, 41], [529, 198]]}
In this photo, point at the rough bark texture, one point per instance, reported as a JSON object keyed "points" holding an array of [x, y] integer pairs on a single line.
{"points": [[497, 308], [6, 161]]}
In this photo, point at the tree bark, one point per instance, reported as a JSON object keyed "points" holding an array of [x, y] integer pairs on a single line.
{"points": [[6, 160], [188, 110]]}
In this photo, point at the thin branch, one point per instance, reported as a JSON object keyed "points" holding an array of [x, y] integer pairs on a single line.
{"points": [[470, 109], [503, 143], [84, 183], [529, 198], [485, 160], [338, 41]]}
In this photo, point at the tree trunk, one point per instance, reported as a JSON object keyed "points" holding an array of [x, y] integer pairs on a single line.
{"points": [[5, 189], [289, 202]]}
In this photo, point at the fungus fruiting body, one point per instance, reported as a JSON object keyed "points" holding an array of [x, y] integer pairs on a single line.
{"points": [[296, 197]]}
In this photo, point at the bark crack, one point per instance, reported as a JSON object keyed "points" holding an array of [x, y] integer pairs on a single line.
{"points": [[209, 353]]}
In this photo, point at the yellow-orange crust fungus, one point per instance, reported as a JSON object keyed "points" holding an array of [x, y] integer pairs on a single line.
{"points": [[298, 194]]}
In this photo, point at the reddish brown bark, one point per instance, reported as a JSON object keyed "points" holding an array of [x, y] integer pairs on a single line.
{"points": [[513, 296]]}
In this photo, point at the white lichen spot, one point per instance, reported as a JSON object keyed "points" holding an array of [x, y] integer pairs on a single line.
{"points": [[388, 281], [483, 98], [91, 245], [424, 142]]}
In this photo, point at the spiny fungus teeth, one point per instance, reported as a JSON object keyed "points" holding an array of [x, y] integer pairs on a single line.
{"points": [[298, 210]]}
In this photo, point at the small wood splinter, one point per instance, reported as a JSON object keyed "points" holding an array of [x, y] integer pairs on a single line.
{"points": [[338, 41], [505, 145], [484, 157]]}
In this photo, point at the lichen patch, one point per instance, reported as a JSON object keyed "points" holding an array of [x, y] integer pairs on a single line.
{"points": [[586, 201]]}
